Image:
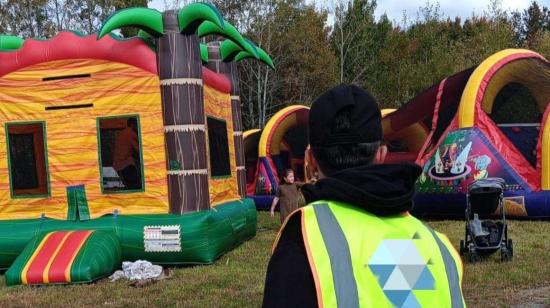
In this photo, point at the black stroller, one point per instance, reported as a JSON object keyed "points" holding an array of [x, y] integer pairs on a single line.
{"points": [[484, 237]]}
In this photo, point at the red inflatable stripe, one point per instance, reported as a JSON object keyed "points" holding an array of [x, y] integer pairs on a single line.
{"points": [[64, 258], [67, 45], [42, 258], [216, 81]]}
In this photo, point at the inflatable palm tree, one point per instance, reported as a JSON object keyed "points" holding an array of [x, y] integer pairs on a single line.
{"points": [[180, 73], [231, 53], [179, 55], [229, 69]]}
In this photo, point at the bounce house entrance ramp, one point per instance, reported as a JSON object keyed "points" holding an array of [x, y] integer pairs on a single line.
{"points": [[63, 257]]}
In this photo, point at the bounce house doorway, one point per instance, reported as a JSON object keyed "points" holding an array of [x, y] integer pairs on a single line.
{"points": [[517, 114], [281, 146], [292, 152]]}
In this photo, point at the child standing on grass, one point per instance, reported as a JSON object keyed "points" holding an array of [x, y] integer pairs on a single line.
{"points": [[288, 195]]}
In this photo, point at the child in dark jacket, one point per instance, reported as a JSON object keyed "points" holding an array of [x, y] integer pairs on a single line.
{"points": [[288, 196]]}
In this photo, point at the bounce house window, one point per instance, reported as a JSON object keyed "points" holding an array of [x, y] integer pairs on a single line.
{"points": [[27, 160], [218, 147], [121, 163]]}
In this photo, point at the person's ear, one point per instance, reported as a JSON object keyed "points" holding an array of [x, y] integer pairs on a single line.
{"points": [[312, 163], [381, 154]]}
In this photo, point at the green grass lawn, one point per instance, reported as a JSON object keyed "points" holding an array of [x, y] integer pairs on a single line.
{"points": [[236, 279]]}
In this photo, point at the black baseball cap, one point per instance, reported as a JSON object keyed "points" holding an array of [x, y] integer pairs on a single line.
{"points": [[366, 123]]}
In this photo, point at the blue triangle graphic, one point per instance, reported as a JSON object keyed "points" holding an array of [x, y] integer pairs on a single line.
{"points": [[382, 272], [382, 255], [397, 297], [411, 301], [425, 281]]}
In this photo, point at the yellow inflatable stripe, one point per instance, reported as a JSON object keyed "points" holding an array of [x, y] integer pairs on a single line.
{"points": [[45, 277], [268, 130], [385, 112], [250, 132]]}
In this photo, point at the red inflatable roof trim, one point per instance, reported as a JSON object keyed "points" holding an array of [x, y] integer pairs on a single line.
{"points": [[68, 45], [217, 81]]}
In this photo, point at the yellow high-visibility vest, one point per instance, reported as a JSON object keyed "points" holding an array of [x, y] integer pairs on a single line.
{"points": [[359, 259]]}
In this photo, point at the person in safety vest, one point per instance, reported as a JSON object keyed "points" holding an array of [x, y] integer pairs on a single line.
{"points": [[354, 244]]}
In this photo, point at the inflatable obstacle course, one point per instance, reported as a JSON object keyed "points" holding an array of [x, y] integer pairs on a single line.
{"points": [[480, 128], [186, 201]]}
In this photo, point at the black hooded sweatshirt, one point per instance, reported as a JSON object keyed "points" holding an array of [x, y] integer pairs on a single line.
{"points": [[380, 189]]}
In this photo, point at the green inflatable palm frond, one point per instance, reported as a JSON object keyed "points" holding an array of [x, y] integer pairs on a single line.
{"points": [[144, 35], [243, 55], [229, 32], [10, 42], [148, 20], [265, 58], [193, 15], [229, 50]]}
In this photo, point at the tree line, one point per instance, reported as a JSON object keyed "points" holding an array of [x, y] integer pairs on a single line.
{"points": [[315, 47]]}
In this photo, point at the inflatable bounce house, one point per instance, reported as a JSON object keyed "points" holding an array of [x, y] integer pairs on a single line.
{"points": [[73, 107], [487, 121], [280, 145]]}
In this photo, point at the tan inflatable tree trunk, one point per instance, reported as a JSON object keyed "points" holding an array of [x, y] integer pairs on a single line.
{"points": [[180, 72], [229, 69]]}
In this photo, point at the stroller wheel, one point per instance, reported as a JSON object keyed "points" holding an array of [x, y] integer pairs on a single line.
{"points": [[473, 257], [462, 248], [510, 247], [505, 254]]}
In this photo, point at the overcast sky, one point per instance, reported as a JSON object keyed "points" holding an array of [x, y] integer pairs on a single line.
{"points": [[395, 8], [463, 8]]}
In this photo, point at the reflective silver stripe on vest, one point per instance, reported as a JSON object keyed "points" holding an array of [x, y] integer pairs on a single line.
{"points": [[340, 258], [452, 272]]}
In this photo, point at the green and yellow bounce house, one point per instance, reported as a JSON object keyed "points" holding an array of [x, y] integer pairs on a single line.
{"points": [[65, 215]]}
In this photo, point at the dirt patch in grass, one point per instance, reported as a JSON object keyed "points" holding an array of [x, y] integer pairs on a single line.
{"points": [[237, 278], [532, 298]]}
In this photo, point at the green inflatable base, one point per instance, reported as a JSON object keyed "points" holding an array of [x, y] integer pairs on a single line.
{"points": [[165, 239]]}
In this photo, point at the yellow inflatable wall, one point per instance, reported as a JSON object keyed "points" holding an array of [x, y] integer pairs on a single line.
{"points": [[218, 105], [115, 89]]}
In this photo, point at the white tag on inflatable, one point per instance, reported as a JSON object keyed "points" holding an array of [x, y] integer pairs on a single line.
{"points": [[161, 238]]}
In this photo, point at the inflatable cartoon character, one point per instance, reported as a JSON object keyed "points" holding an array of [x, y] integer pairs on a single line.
{"points": [[481, 163]]}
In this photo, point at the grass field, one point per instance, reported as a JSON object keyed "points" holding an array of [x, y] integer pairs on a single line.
{"points": [[236, 279]]}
